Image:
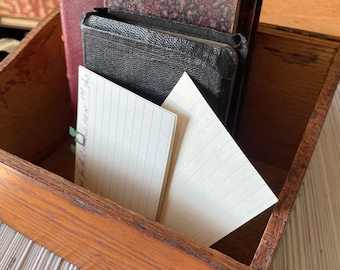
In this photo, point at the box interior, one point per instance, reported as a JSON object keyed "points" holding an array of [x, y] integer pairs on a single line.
{"points": [[286, 75]]}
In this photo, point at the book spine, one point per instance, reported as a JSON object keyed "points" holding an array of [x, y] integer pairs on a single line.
{"points": [[71, 14]]}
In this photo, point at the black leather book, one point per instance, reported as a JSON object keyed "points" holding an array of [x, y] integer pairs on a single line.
{"points": [[148, 55]]}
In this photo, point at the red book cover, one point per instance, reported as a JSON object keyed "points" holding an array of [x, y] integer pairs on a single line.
{"points": [[71, 13]]}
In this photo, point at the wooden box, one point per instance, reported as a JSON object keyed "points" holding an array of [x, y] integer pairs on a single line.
{"points": [[291, 84]]}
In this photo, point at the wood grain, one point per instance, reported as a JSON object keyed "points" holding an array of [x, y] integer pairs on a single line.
{"points": [[317, 16], [285, 80], [34, 96], [89, 231], [287, 75], [281, 212], [312, 239]]}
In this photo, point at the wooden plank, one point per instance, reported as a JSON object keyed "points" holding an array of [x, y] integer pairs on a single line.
{"points": [[311, 15], [282, 210], [34, 97], [90, 231], [61, 161], [286, 75], [313, 228], [242, 244]]}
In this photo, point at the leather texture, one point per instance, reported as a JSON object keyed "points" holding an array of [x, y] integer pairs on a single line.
{"points": [[131, 50]]}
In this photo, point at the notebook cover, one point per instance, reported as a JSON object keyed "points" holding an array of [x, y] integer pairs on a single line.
{"points": [[162, 58], [230, 16], [71, 13]]}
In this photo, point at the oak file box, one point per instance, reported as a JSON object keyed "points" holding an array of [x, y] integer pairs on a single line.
{"points": [[88, 230]]}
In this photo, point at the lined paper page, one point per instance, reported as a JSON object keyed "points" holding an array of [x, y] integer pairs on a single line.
{"points": [[128, 141], [212, 187]]}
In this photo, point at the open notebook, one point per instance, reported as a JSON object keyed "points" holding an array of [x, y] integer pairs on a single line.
{"points": [[199, 182]]}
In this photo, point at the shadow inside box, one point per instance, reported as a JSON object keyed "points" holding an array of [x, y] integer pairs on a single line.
{"points": [[9, 40]]}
